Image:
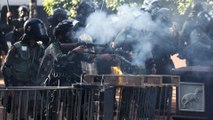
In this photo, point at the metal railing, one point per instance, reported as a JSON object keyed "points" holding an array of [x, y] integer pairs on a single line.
{"points": [[105, 97]]}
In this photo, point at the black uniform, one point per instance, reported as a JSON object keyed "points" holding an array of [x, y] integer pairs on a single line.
{"points": [[66, 69], [199, 48], [196, 38], [59, 14], [17, 23], [21, 65], [164, 44], [84, 9]]}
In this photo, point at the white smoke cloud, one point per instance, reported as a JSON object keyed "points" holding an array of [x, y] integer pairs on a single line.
{"points": [[105, 28]]}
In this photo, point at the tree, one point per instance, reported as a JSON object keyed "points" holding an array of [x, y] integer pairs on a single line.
{"points": [[50, 5], [177, 7]]}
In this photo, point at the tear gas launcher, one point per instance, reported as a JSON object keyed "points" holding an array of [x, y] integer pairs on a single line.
{"points": [[106, 49], [69, 46]]}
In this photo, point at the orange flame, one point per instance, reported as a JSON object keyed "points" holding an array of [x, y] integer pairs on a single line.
{"points": [[117, 71]]}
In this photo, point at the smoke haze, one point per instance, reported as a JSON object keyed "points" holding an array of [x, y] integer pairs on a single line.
{"points": [[106, 28]]}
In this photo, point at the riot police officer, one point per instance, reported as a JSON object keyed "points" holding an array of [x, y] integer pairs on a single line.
{"points": [[84, 9], [151, 6], [199, 48], [59, 14], [65, 54], [164, 41], [196, 37], [22, 61], [17, 23], [65, 57], [188, 26]]}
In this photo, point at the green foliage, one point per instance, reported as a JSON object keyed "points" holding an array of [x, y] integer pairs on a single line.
{"points": [[177, 7], [113, 4], [183, 5], [50, 5]]}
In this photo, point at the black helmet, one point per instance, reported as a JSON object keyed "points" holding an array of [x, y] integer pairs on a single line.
{"points": [[204, 20], [148, 2], [59, 14], [23, 10], [152, 5], [86, 7], [35, 28], [163, 16], [196, 8], [65, 27]]}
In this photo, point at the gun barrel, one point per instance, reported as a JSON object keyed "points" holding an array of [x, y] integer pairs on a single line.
{"points": [[94, 45], [125, 60], [120, 57]]}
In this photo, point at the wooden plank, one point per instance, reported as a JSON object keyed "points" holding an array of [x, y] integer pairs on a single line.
{"points": [[134, 80]]}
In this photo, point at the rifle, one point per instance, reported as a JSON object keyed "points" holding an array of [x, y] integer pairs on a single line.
{"points": [[116, 52], [70, 46]]}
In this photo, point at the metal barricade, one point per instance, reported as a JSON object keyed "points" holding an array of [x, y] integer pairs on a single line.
{"points": [[139, 97], [77, 102], [107, 97]]}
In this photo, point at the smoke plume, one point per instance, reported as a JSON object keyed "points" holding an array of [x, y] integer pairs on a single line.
{"points": [[129, 24]]}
